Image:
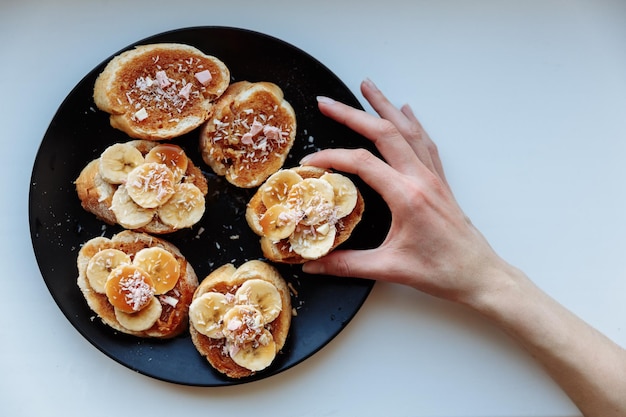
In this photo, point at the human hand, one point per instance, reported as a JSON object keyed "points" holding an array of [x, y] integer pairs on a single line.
{"points": [[431, 245]]}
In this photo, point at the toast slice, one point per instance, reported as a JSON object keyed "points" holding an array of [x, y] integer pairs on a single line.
{"points": [[240, 352], [249, 134], [307, 226], [166, 315], [160, 91], [98, 195]]}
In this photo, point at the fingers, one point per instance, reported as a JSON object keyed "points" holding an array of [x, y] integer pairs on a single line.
{"points": [[407, 124], [426, 145], [386, 137], [375, 264], [375, 172], [347, 263], [385, 108]]}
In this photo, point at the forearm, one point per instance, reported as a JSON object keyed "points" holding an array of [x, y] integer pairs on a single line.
{"points": [[589, 367]]}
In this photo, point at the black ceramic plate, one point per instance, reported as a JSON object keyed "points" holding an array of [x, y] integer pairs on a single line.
{"points": [[79, 132]]}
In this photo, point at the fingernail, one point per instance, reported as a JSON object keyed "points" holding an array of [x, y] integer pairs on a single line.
{"points": [[406, 109], [325, 100], [306, 159], [312, 268], [370, 84]]}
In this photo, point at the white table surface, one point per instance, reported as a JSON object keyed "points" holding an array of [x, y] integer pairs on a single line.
{"points": [[527, 101]]}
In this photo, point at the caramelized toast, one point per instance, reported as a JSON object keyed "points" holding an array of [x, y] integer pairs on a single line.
{"points": [[249, 134], [220, 351], [160, 91], [173, 303], [97, 195], [282, 249]]}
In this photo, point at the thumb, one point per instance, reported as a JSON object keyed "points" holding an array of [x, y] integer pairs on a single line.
{"points": [[345, 263]]}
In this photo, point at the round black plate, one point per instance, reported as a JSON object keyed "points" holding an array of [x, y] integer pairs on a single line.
{"points": [[79, 132]]}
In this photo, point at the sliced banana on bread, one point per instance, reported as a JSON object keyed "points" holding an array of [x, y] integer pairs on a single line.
{"points": [[249, 134], [240, 318], [137, 284], [303, 213], [160, 91], [144, 186]]}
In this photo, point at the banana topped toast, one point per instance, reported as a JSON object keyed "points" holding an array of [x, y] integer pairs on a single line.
{"points": [[137, 284], [160, 91], [249, 134], [303, 213], [144, 186], [240, 317]]}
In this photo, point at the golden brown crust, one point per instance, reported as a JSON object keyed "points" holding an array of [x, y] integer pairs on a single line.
{"points": [[227, 279], [96, 195], [123, 89], [173, 320], [281, 251], [246, 161]]}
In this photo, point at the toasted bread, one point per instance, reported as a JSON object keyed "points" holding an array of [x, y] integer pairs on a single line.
{"points": [[227, 280], [249, 134], [282, 250], [174, 303], [97, 194], [160, 91]]}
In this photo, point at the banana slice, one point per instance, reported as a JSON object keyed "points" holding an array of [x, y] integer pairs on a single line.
{"points": [[104, 188], [128, 213], [141, 320], [100, 266], [242, 324], [314, 198], [256, 355], [313, 242], [206, 313], [172, 156], [276, 188], [278, 222], [345, 193], [185, 208], [117, 161], [129, 289], [261, 294], [150, 184], [161, 265]]}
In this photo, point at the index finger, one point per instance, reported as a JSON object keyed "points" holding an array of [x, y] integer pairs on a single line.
{"points": [[372, 170], [383, 133]]}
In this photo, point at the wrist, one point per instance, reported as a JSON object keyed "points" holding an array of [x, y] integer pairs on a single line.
{"points": [[502, 285]]}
